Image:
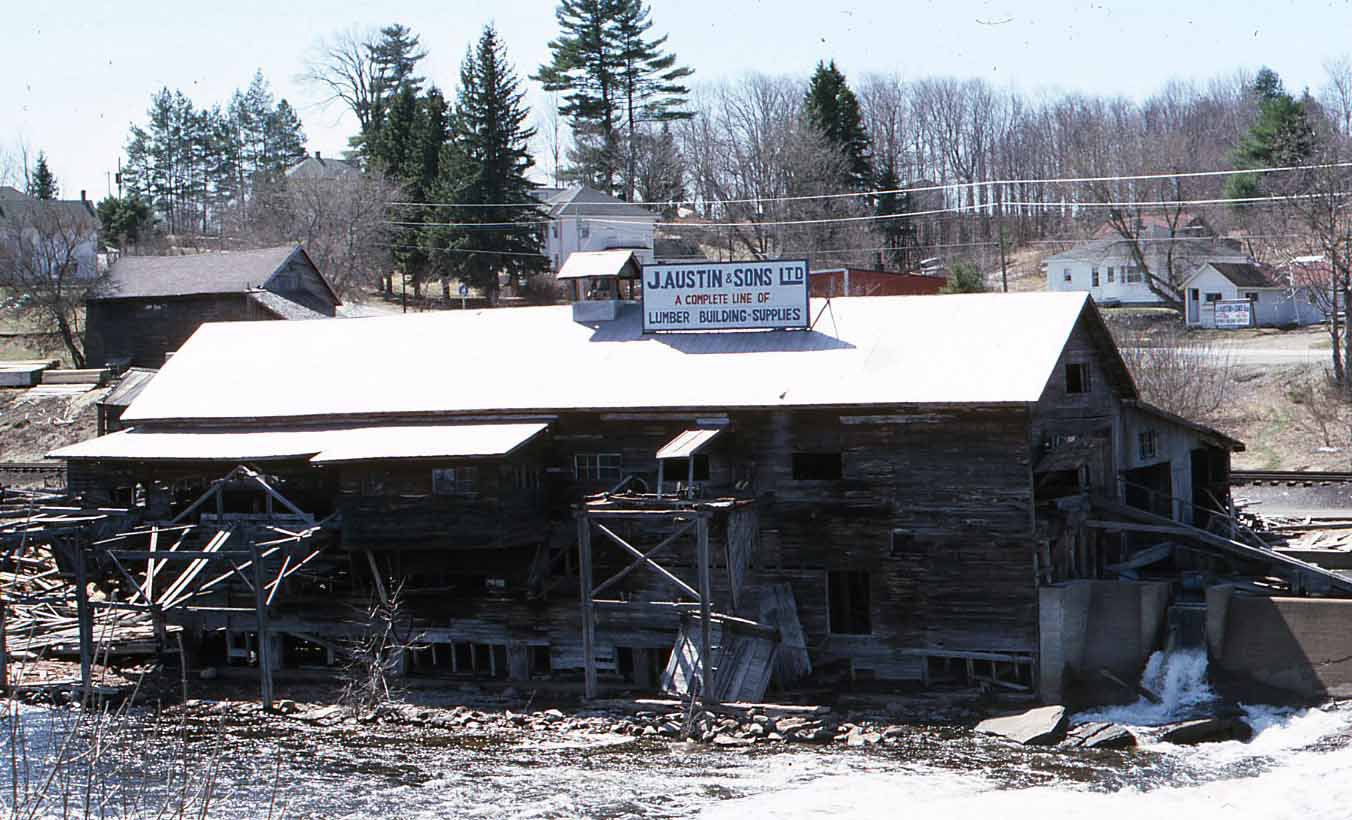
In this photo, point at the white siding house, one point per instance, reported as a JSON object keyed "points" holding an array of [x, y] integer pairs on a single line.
{"points": [[1276, 302], [584, 219], [1109, 271], [59, 235]]}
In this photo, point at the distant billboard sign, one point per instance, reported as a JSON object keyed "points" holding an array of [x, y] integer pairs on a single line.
{"points": [[725, 295], [1233, 313]]}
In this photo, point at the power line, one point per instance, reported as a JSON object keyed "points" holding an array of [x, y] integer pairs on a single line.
{"points": [[1067, 205], [916, 189]]}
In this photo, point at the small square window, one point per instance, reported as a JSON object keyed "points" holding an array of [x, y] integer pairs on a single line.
{"points": [[597, 466], [455, 481], [1252, 296], [818, 467], [1148, 441], [1077, 377], [1213, 297], [1066, 277]]}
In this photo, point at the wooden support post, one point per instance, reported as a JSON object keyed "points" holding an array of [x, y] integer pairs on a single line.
{"points": [[85, 617], [584, 577], [706, 676], [264, 641]]}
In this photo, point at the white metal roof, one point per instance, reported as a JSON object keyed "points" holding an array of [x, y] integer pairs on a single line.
{"points": [[975, 348], [322, 446], [686, 444], [599, 264]]}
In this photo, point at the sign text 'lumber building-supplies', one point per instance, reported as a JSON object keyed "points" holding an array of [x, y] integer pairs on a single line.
{"points": [[725, 295]]}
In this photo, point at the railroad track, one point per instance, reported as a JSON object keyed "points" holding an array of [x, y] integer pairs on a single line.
{"points": [[1301, 477]]}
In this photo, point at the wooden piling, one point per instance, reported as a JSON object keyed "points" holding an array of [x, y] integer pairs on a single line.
{"points": [[588, 607], [261, 633], [706, 677], [85, 616]]}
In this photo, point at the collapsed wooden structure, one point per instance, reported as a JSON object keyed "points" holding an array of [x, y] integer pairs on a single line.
{"points": [[148, 578], [711, 513]]}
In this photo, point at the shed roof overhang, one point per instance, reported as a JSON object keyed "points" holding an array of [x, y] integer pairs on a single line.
{"points": [[612, 264], [687, 444], [319, 446]]}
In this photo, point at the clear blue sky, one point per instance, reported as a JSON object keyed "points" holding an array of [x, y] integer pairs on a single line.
{"points": [[75, 78]]}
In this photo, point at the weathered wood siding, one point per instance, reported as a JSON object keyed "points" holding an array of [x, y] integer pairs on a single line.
{"points": [[144, 330]]}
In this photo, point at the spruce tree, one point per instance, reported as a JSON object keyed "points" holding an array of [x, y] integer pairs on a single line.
{"points": [[485, 166], [1281, 136], [650, 80], [614, 79], [42, 184], [898, 233], [833, 109]]}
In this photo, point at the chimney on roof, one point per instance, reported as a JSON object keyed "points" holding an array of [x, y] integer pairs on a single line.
{"points": [[83, 198], [318, 157]]}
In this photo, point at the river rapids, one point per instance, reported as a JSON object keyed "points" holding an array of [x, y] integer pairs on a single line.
{"points": [[240, 764]]}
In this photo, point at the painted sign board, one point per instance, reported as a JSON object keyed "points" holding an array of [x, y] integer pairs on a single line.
{"points": [[725, 295], [1233, 313]]}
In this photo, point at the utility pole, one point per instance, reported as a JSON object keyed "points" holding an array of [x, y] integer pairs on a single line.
{"points": [[1004, 272]]}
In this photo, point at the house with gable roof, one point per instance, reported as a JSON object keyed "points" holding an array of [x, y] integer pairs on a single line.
{"points": [[147, 306]]}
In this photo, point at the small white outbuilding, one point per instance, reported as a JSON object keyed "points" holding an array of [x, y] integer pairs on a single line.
{"points": [[1273, 300]]}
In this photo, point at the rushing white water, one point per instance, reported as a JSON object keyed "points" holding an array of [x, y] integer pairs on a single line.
{"points": [[1178, 678]]}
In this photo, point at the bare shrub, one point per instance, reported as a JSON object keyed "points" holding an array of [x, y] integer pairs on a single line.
{"points": [[376, 653], [1323, 409], [1186, 373]]}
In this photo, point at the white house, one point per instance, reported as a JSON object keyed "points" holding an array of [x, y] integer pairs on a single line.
{"points": [[1274, 300], [53, 234], [584, 219], [1109, 270]]}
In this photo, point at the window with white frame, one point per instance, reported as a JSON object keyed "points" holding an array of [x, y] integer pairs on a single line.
{"points": [[597, 466], [583, 230], [455, 481], [1066, 276], [1094, 277], [1110, 274], [1131, 274]]}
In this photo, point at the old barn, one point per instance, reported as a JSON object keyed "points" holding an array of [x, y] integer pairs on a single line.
{"points": [[879, 497], [149, 305]]}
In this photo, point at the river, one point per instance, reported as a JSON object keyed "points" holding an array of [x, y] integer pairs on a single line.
{"points": [[1299, 765]]}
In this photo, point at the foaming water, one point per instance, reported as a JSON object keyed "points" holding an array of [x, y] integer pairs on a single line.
{"points": [[1179, 679], [1298, 766]]}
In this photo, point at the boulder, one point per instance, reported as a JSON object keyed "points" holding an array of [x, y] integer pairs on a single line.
{"points": [[1100, 735], [1043, 726], [731, 742], [859, 737], [1207, 730]]}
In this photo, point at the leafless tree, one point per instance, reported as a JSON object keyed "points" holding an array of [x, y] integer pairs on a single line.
{"points": [[1188, 374], [341, 222], [344, 67], [552, 131], [48, 261]]}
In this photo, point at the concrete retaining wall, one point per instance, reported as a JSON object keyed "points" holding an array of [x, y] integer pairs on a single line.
{"points": [[1086, 626], [1301, 646]]}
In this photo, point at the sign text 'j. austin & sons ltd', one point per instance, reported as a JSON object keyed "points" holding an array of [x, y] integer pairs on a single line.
{"points": [[725, 295]]}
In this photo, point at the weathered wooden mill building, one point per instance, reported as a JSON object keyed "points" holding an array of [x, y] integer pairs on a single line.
{"points": [[881, 496]]}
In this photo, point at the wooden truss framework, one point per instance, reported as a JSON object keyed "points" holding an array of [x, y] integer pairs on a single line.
{"points": [[687, 519], [202, 569]]}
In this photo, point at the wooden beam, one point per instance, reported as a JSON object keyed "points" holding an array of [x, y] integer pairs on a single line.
{"points": [[261, 633], [661, 570], [639, 561], [375, 573], [706, 671], [588, 613]]}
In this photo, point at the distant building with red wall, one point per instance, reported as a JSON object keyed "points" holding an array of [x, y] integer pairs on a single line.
{"points": [[859, 282]]}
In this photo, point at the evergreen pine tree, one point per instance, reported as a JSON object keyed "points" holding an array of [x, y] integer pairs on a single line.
{"points": [[833, 109], [1281, 136], [585, 67], [649, 79], [42, 184], [899, 235], [486, 166]]}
